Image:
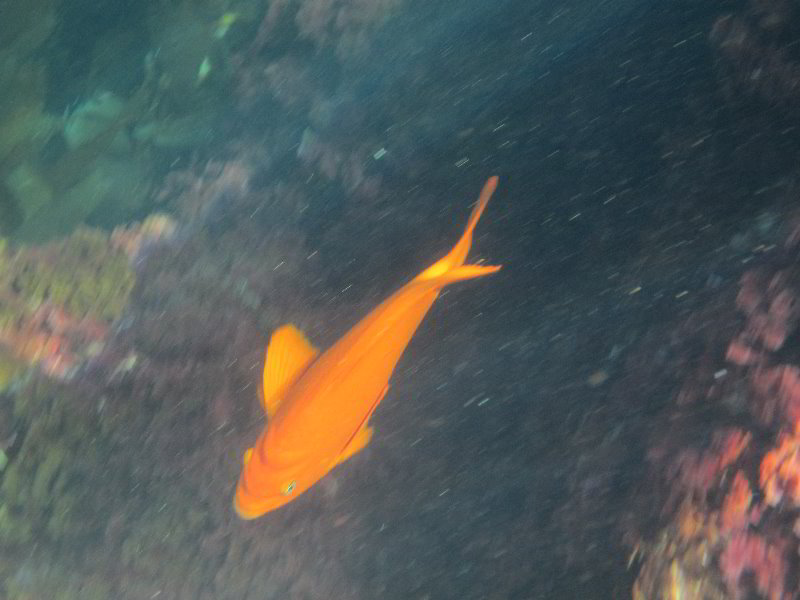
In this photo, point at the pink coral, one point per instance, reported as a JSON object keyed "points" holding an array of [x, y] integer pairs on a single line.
{"points": [[780, 472], [55, 341], [740, 353], [699, 472], [778, 393], [735, 508], [772, 312], [751, 553]]}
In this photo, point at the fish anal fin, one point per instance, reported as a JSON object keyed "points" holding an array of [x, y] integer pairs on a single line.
{"points": [[363, 434], [289, 354]]}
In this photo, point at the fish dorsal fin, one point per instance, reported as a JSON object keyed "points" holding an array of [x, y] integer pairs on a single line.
{"points": [[288, 355]]}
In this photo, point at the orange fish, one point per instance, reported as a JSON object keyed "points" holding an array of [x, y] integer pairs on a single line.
{"points": [[318, 405]]}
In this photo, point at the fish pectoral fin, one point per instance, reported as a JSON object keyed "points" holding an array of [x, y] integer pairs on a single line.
{"points": [[359, 442], [288, 356], [363, 435]]}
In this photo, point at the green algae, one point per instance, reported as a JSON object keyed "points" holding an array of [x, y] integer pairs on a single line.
{"points": [[42, 495], [82, 274], [10, 369]]}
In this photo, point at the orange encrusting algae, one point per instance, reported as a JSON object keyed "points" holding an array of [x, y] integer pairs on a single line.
{"points": [[318, 405]]}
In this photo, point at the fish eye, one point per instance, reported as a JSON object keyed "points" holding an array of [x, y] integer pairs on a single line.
{"points": [[289, 488]]}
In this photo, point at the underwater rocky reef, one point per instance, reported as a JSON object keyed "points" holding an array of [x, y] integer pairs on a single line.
{"points": [[177, 179]]}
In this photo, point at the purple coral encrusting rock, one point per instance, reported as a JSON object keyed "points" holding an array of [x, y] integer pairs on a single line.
{"points": [[197, 324], [137, 239], [754, 60]]}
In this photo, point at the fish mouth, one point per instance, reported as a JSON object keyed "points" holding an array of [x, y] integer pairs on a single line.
{"points": [[242, 513]]}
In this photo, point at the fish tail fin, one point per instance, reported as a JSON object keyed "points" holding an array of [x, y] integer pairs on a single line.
{"points": [[450, 267], [466, 272]]}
